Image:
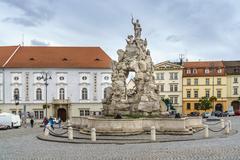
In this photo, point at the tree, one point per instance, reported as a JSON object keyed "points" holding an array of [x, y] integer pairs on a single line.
{"points": [[168, 104], [205, 103]]}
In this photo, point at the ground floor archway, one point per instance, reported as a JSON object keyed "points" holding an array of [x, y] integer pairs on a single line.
{"points": [[236, 106], [62, 114], [219, 107]]}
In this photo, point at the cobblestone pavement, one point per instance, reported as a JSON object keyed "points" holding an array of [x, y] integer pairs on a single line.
{"points": [[22, 144]]}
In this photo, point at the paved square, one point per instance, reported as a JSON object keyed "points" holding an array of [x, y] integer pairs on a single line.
{"points": [[23, 144]]}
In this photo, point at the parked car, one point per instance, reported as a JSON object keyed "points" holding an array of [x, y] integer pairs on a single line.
{"points": [[10, 120], [206, 114], [225, 114], [3, 126], [218, 114], [194, 114], [237, 112], [231, 111]]}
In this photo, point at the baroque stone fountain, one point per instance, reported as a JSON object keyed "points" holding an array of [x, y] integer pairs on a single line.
{"points": [[143, 99]]}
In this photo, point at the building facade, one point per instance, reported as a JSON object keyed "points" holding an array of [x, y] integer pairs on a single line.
{"points": [[168, 76], [232, 69], [204, 79], [70, 80]]}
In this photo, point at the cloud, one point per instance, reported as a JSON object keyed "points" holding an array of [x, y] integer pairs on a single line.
{"points": [[36, 42], [173, 38], [32, 14], [21, 21]]}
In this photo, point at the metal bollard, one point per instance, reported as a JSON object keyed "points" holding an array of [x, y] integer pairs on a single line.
{"points": [[70, 133], [206, 131], [222, 123], [230, 125], [93, 134], [46, 132], [227, 128], [153, 133]]}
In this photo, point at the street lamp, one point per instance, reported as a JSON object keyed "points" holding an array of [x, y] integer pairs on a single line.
{"points": [[16, 98], [45, 77]]}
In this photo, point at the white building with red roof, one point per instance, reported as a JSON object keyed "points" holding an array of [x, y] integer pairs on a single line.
{"points": [[71, 80]]}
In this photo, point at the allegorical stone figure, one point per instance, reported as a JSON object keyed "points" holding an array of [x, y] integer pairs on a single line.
{"points": [[137, 28]]}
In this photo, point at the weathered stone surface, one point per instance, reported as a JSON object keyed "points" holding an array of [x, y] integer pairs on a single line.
{"points": [[144, 97]]}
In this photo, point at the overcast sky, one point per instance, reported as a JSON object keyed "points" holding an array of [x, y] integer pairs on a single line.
{"points": [[199, 29]]}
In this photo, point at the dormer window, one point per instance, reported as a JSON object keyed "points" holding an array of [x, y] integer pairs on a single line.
{"points": [[106, 78], [84, 78], [188, 71], [207, 71], [194, 71], [39, 78], [16, 78], [219, 70]]}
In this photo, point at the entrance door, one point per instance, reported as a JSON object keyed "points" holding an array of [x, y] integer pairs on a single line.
{"points": [[219, 107], [62, 114]]}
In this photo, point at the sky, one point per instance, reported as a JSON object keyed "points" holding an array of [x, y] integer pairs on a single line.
{"points": [[198, 29]]}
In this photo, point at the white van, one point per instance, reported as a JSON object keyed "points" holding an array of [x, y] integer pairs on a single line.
{"points": [[10, 120], [231, 111]]}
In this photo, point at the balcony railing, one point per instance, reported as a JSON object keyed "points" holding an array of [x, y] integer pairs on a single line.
{"points": [[61, 101]]}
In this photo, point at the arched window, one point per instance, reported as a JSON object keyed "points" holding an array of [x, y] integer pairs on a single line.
{"points": [[61, 93], [39, 94], [16, 94], [84, 93], [105, 93]]}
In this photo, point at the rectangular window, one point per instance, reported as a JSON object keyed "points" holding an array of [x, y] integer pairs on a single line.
{"points": [[175, 100], [207, 81], [171, 87], [14, 112], [175, 76], [87, 113], [188, 94], [219, 81], [171, 76], [188, 106], [196, 94], [207, 94], [219, 94], [175, 87], [41, 114], [162, 87], [188, 81], [161, 76], [235, 80], [235, 91], [36, 115], [195, 81], [81, 112]]}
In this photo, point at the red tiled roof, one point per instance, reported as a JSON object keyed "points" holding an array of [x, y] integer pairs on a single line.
{"points": [[5, 54], [203, 64], [57, 57]]}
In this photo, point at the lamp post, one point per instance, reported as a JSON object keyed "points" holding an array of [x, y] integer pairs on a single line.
{"points": [[16, 98], [45, 77]]}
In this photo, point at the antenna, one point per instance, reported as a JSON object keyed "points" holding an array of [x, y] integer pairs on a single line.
{"points": [[23, 39], [181, 57]]}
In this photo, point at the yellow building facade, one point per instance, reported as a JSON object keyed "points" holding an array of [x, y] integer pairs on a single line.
{"points": [[204, 79]]}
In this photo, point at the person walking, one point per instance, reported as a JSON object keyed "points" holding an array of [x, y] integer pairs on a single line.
{"points": [[51, 122], [45, 122], [59, 122], [31, 122]]}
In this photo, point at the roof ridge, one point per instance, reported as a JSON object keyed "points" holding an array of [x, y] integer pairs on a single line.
{"points": [[15, 51]]}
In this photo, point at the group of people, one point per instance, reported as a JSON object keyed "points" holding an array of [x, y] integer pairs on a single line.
{"points": [[51, 122]]}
